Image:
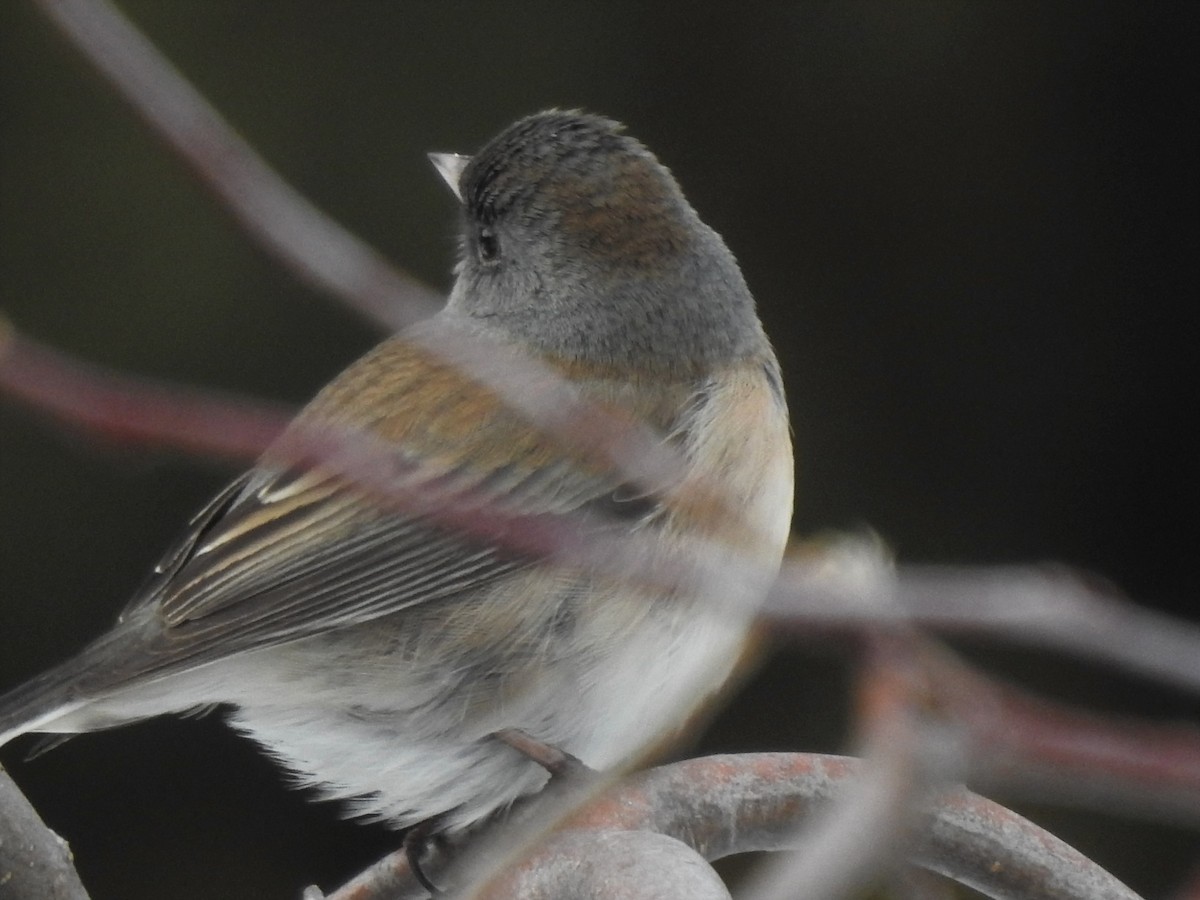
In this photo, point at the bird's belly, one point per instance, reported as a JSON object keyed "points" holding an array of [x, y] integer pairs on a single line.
{"points": [[402, 732]]}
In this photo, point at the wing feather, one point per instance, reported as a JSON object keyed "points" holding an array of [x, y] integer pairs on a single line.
{"points": [[283, 554]]}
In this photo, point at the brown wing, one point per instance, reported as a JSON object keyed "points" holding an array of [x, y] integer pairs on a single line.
{"points": [[283, 554]]}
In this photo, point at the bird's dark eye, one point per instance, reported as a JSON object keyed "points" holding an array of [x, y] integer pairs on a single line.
{"points": [[488, 245]]}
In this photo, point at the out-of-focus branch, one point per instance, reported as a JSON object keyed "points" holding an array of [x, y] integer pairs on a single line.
{"points": [[1040, 605], [35, 863], [1035, 604], [1190, 889], [306, 240], [912, 883], [1056, 607], [907, 755], [133, 410], [319, 250], [1027, 746], [1025, 603]]}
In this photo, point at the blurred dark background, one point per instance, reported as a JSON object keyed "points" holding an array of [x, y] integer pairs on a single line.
{"points": [[971, 228]]}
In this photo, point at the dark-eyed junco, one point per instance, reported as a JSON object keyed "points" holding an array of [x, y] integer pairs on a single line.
{"points": [[374, 651]]}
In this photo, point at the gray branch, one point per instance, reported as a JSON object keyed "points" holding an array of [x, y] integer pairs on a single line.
{"points": [[35, 863]]}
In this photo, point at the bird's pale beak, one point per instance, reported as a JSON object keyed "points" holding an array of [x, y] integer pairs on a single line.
{"points": [[450, 166]]}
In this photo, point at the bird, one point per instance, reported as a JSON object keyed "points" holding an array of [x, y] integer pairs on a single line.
{"points": [[372, 649]]}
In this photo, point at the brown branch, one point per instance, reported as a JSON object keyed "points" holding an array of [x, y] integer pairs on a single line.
{"points": [[722, 805], [906, 756], [998, 853], [851, 585], [1030, 746], [753, 801], [133, 410]]}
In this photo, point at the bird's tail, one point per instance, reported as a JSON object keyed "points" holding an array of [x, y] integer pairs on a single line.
{"points": [[39, 702], [78, 695], [58, 699]]}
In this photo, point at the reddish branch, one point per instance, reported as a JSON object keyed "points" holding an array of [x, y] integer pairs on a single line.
{"points": [[1030, 746], [1046, 605], [723, 805], [906, 753], [133, 410]]}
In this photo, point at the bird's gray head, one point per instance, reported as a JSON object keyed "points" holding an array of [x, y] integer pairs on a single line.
{"points": [[577, 241]]}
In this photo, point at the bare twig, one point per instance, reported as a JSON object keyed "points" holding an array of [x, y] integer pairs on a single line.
{"points": [[1041, 605], [1025, 745], [139, 411], [1023, 603], [907, 754], [1057, 607]]}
